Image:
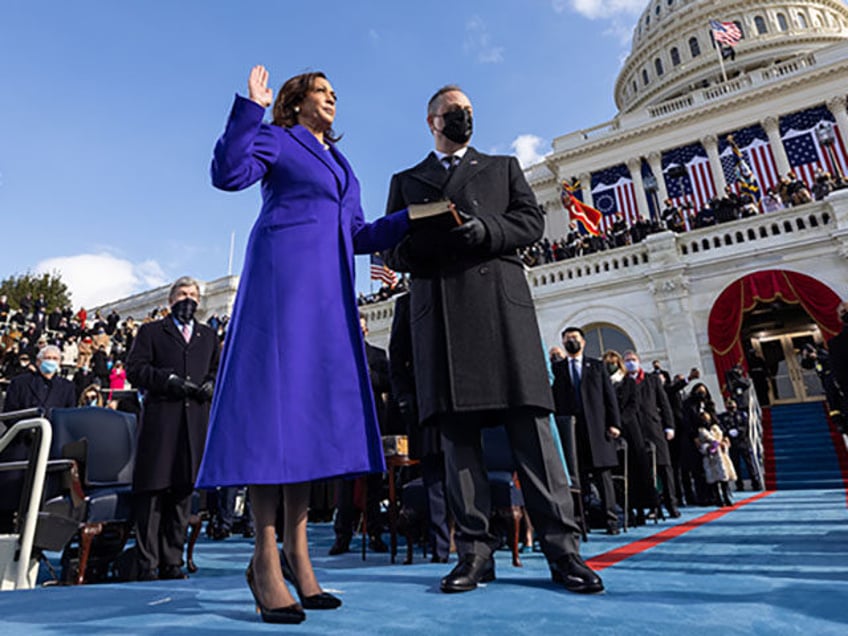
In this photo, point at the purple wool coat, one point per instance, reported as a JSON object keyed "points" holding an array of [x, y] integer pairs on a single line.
{"points": [[293, 398]]}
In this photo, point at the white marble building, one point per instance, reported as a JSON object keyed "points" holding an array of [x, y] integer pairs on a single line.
{"points": [[658, 295]]}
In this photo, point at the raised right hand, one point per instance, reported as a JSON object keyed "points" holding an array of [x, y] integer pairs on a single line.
{"points": [[257, 87]]}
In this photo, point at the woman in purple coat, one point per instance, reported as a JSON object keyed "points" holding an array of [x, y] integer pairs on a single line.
{"points": [[293, 399]]}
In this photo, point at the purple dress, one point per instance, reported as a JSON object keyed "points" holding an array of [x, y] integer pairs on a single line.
{"points": [[293, 399]]}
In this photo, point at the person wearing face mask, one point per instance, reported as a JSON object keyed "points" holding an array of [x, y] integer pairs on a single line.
{"points": [[695, 405], [479, 359], [643, 493], [582, 389], [83, 378], [43, 387], [91, 396], [173, 361], [657, 422]]}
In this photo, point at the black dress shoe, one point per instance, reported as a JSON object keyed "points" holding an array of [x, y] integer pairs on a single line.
{"points": [[612, 529], [320, 601], [340, 546], [471, 570], [289, 614], [376, 544], [574, 575], [171, 573], [438, 559], [674, 513]]}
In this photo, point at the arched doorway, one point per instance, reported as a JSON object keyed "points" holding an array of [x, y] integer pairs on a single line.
{"points": [[603, 336], [762, 321]]}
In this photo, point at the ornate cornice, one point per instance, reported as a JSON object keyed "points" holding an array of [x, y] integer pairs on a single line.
{"points": [[706, 111]]}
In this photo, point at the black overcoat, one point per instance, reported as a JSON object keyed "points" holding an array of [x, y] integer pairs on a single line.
{"points": [[600, 406], [655, 415], [31, 389], [173, 430], [475, 338]]}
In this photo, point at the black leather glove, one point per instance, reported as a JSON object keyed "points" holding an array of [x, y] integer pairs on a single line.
{"points": [[471, 233], [180, 387], [204, 391]]}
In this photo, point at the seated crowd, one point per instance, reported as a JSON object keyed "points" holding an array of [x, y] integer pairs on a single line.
{"points": [[789, 192]]}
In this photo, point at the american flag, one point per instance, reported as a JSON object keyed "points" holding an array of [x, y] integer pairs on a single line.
{"points": [[803, 149], [726, 33], [381, 272], [613, 192], [696, 186]]}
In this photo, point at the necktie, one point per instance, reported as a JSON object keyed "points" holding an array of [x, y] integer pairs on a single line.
{"points": [[186, 332], [575, 380], [451, 162]]}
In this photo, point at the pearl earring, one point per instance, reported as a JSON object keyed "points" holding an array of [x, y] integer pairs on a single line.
{"points": [[297, 109]]}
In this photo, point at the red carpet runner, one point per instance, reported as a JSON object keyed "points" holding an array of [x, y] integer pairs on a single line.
{"points": [[618, 555]]}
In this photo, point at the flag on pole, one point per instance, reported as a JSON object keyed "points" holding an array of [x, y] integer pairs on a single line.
{"points": [[382, 272], [726, 33], [585, 215], [613, 193], [753, 143], [745, 177]]}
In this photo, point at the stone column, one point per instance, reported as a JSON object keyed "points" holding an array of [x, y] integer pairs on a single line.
{"points": [[635, 167], [710, 143], [836, 105], [781, 161], [655, 161], [586, 187]]}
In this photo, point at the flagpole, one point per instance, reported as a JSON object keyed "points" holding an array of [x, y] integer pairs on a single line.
{"points": [[720, 60], [232, 249]]}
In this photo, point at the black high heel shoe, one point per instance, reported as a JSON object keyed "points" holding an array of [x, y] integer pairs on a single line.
{"points": [[289, 614], [322, 601]]}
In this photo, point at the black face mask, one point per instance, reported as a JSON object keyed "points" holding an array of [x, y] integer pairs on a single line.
{"points": [[184, 309], [612, 368], [572, 346], [845, 318], [458, 126]]}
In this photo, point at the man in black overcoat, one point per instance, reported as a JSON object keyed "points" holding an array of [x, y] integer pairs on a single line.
{"points": [[582, 389], [174, 361], [479, 360], [657, 423]]}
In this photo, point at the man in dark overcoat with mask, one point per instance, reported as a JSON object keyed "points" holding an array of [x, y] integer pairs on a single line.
{"points": [[479, 359], [174, 361]]}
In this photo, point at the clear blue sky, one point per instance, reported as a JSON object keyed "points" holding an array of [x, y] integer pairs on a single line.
{"points": [[109, 112]]}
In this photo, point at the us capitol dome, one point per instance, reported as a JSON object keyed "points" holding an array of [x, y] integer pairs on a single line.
{"points": [[673, 55]]}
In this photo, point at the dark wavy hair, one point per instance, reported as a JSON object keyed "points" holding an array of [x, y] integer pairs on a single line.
{"points": [[291, 94]]}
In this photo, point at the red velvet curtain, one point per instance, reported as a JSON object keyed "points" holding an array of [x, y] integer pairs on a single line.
{"points": [[725, 323]]}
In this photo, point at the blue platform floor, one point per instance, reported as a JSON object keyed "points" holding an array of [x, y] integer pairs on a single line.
{"points": [[776, 565]]}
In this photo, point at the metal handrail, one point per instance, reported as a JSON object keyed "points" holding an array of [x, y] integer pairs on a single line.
{"points": [[27, 537]]}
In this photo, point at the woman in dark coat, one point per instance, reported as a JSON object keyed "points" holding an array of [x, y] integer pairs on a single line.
{"points": [[640, 479], [294, 339], [691, 462]]}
